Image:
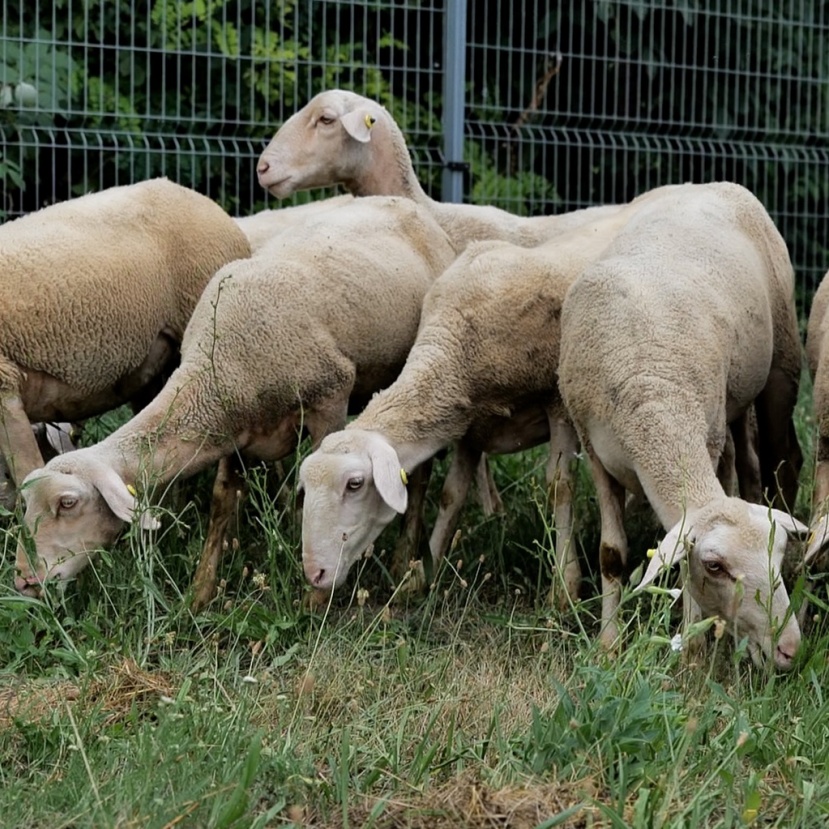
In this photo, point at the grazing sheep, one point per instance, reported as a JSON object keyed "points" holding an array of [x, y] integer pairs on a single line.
{"points": [[261, 227], [665, 340], [277, 342], [482, 372], [817, 354], [97, 292], [342, 137]]}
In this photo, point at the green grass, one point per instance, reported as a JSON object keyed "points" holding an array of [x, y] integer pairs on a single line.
{"points": [[472, 706]]}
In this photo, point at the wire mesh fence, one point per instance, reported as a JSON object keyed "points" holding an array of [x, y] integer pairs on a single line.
{"points": [[568, 103]]}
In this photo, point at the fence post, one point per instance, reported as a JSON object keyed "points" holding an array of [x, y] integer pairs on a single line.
{"points": [[454, 81]]}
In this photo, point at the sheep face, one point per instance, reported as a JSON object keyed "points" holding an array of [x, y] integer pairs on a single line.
{"points": [[735, 551], [70, 513], [353, 488], [323, 143]]}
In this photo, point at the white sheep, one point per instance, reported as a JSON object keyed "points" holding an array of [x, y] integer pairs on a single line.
{"points": [[341, 137], [277, 342], [482, 372], [666, 339], [261, 227], [96, 294], [817, 354]]}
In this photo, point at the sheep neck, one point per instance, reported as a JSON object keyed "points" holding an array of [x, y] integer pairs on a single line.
{"points": [[389, 171]]}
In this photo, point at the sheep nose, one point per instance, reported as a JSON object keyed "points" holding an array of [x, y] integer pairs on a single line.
{"points": [[784, 656], [263, 166], [27, 585]]}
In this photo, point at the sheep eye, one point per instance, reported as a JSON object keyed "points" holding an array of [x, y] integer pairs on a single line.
{"points": [[326, 119], [714, 568], [354, 484], [68, 501]]}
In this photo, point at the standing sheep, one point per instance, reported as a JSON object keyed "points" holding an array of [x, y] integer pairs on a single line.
{"points": [[277, 342], [667, 339], [342, 137], [96, 294]]}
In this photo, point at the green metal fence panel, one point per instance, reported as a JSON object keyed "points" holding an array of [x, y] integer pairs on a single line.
{"points": [[568, 103]]}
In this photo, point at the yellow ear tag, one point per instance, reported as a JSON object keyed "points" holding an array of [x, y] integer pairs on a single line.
{"points": [[132, 490], [370, 121], [651, 553], [404, 477]]}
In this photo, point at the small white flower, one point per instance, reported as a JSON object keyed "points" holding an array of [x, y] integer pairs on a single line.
{"points": [[249, 679], [676, 643], [675, 593]]}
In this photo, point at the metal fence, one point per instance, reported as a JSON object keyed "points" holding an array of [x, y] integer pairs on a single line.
{"points": [[95, 93]]}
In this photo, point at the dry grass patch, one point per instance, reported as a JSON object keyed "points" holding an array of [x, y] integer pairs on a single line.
{"points": [[467, 801], [124, 685]]}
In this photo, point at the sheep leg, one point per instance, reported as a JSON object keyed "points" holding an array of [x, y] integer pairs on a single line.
{"points": [[612, 550], [487, 490], [466, 460], [780, 455], [407, 549], [17, 440], [746, 461], [228, 490], [564, 446], [726, 467]]}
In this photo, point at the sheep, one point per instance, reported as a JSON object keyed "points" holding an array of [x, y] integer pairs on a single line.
{"points": [[668, 337], [97, 292], [261, 227], [342, 137], [817, 344], [277, 342], [482, 372]]}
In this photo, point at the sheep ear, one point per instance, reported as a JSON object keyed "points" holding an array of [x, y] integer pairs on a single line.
{"points": [[358, 124], [389, 476], [789, 523], [671, 550], [818, 540], [119, 498], [58, 437]]}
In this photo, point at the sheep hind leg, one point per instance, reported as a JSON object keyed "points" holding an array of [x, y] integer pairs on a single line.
{"points": [[564, 446], [406, 555], [612, 550], [229, 489], [746, 460], [491, 501]]}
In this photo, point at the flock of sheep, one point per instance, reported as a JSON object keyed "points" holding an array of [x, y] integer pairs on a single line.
{"points": [[658, 337]]}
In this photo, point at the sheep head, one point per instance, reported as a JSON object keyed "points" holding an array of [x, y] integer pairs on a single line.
{"points": [[353, 487], [324, 143], [734, 551], [74, 506]]}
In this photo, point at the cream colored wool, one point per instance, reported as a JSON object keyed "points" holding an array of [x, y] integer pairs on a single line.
{"points": [[276, 342], [96, 294], [685, 320]]}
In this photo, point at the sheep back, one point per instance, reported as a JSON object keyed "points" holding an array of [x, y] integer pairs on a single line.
{"points": [[88, 284]]}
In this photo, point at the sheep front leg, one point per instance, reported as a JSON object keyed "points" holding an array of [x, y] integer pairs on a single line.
{"points": [[407, 548], [564, 446], [229, 489], [466, 459], [746, 461], [18, 444], [612, 550]]}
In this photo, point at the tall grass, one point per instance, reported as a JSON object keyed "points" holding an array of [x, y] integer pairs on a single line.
{"points": [[474, 705]]}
